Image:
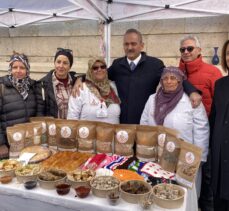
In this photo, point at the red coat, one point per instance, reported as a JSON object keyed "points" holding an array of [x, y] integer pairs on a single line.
{"points": [[203, 77]]}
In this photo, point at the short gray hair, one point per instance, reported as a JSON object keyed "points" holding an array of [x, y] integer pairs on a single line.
{"points": [[191, 37]]}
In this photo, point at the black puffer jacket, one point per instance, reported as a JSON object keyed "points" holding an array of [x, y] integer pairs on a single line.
{"points": [[51, 108], [14, 109]]}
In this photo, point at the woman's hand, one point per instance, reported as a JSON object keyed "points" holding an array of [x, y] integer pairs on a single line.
{"points": [[195, 99], [76, 88]]}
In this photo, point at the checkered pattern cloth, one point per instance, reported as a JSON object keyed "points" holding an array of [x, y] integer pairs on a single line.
{"points": [[62, 95]]}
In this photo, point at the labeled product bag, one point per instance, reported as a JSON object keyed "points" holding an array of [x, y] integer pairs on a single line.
{"points": [[188, 164], [124, 139], [104, 138], [146, 143]]}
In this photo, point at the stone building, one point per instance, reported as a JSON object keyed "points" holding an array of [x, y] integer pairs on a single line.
{"points": [[161, 38]]}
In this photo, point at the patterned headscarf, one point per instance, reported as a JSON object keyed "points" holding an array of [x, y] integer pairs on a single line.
{"points": [[165, 102], [100, 89], [22, 85]]}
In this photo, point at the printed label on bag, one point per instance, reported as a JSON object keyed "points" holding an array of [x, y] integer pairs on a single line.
{"points": [[52, 129], [83, 132], [17, 136], [170, 146], [122, 136], [161, 139], [65, 132], [189, 157]]}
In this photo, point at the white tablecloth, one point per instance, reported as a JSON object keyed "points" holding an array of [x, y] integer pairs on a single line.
{"points": [[14, 197]]}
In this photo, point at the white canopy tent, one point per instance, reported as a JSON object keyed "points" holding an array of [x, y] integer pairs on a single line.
{"points": [[16, 13]]}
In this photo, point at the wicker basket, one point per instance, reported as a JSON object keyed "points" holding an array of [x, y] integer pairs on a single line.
{"points": [[134, 198], [9, 172], [75, 183], [168, 203], [27, 173], [51, 184], [102, 192]]}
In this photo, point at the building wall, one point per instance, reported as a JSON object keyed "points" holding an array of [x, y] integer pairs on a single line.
{"points": [[161, 38]]}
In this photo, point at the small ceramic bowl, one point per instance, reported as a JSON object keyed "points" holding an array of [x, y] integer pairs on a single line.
{"points": [[30, 184], [113, 198], [82, 191], [63, 189], [6, 179]]}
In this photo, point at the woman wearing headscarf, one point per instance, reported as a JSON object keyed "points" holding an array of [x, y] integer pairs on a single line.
{"points": [[20, 98], [57, 84], [98, 99], [172, 108], [219, 123]]}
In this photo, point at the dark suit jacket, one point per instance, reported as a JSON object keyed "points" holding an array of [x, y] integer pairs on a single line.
{"points": [[134, 88], [219, 140]]}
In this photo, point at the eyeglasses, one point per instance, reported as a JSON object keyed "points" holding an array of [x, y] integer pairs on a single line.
{"points": [[64, 49], [96, 68], [189, 49]]}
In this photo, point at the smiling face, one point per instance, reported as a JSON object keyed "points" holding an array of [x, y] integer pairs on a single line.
{"points": [[187, 56], [99, 71], [62, 66], [169, 82], [18, 70], [132, 45]]}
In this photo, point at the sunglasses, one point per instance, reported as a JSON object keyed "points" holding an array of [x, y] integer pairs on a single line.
{"points": [[189, 49], [96, 68], [64, 49]]}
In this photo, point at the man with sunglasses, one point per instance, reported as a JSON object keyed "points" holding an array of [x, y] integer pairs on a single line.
{"points": [[203, 77]]}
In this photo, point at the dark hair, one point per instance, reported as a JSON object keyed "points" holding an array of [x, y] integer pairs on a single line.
{"points": [[223, 57], [65, 52], [129, 31]]}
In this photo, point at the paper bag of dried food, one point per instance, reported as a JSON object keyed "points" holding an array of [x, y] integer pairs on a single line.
{"points": [[146, 143], [66, 134], [164, 134], [33, 133], [86, 136], [51, 133], [16, 137], [170, 154], [188, 164], [124, 139], [42, 120], [104, 138]]}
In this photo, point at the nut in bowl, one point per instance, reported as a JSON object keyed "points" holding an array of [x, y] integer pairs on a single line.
{"points": [[168, 196], [102, 185], [80, 177], [63, 189], [30, 184], [82, 191]]}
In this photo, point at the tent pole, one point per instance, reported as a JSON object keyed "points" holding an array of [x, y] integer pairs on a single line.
{"points": [[107, 36]]}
